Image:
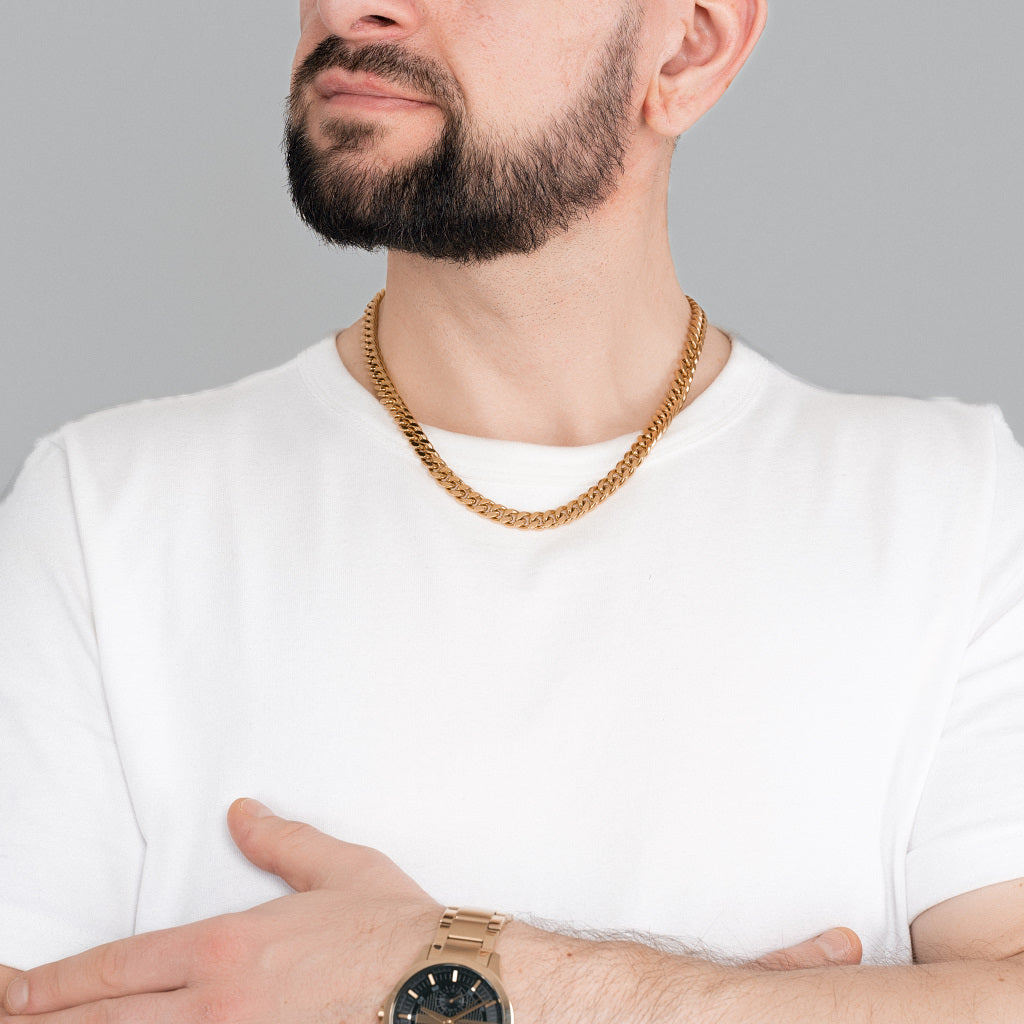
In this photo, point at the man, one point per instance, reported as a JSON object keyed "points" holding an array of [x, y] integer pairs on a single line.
{"points": [[759, 681]]}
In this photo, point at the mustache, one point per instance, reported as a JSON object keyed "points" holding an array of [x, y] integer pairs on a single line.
{"points": [[386, 60]]}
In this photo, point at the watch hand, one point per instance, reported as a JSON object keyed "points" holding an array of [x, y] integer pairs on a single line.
{"points": [[475, 1006], [436, 1017]]}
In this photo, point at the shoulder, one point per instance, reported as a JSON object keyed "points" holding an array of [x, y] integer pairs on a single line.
{"points": [[179, 417], [936, 474], [168, 451], [884, 432], [192, 429]]}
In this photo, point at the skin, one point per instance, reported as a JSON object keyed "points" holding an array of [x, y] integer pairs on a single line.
{"points": [[348, 898], [542, 348], [570, 345], [356, 923]]}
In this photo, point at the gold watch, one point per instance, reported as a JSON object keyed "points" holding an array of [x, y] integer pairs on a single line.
{"points": [[458, 979]]}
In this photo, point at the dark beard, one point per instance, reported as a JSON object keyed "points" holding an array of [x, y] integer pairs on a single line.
{"points": [[466, 199]]}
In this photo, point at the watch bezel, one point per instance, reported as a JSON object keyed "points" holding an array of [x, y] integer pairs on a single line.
{"points": [[432, 958]]}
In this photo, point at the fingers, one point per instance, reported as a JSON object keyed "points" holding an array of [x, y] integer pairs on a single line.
{"points": [[301, 855], [159, 1008], [155, 962], [7, 975], [838, 947]]}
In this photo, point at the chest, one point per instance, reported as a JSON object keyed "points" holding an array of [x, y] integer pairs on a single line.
{"points": [[696, 737]]}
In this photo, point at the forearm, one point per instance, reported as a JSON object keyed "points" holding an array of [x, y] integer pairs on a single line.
{"points": [[979, 992], [554, 979]]}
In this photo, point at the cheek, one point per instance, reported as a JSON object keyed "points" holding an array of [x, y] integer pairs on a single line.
{"points": [[311, 31], [523, 85]]}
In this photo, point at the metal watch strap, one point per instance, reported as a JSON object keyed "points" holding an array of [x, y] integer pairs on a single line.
{"points": [[468, 933]]}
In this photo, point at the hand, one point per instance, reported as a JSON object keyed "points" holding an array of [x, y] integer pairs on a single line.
{"points": [[429, 1015], [425, 1016], [331, 951], [469, 1010], [838, 947]]}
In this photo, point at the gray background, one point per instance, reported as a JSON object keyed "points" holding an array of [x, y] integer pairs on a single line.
{"points": [[853, 206]]}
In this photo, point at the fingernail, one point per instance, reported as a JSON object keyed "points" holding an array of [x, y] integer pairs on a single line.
{"points": [[255, 809], [17, 995], [835, 944]]}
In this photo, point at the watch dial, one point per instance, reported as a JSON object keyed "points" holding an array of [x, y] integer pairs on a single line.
{"points": [[447, 994]]}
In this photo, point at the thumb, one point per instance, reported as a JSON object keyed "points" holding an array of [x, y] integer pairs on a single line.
{"points": [[299, 854], [838, 947]]}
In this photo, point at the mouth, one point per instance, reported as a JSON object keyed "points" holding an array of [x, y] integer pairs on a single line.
{"points": [[343, 89]]}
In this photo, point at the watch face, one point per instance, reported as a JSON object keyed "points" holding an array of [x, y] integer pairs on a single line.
{"points": [[447, 994]]}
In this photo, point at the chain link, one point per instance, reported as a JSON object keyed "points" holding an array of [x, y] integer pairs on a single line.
{"points": [[579, 506]]}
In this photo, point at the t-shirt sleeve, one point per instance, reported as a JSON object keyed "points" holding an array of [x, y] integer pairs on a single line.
{"points": [[969, 829], [70, 849]]}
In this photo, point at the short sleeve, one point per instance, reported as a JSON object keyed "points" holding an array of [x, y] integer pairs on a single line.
{"points": [[969, 829], [70, 850]]}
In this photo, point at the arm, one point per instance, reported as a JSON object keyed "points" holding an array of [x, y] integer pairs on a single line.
{"points": [[70, 849], [970, 972], [356, 922]]}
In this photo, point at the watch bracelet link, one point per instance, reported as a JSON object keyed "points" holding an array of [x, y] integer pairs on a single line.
{"points": [[468, 932]]}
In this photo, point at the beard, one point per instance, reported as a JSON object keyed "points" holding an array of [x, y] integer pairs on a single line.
{"points": [[473, 195]]}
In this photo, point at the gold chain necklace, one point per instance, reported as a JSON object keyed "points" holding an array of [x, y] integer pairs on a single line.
{"points": [[475, 502]]}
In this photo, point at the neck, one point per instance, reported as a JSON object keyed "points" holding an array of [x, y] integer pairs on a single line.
{"points": [[572, 345]]}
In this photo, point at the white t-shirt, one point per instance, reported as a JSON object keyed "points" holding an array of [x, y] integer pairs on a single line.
{"points": [[774, 684]]}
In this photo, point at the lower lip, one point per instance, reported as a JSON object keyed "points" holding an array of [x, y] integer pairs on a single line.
{"points": [[368, 102]]}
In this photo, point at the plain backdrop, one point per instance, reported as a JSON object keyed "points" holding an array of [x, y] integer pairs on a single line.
{"points": [[852, 207]]}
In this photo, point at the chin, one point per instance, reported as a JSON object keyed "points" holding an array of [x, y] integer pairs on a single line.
{"points": [[377, 144]]}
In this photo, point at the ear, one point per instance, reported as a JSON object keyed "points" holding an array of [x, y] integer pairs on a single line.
{"points": [[704, 51]]}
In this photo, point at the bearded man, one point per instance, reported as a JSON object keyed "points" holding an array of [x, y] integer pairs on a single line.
{"points": [[760, 682]]}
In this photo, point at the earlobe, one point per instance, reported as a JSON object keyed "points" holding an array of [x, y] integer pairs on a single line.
{"points": [[717, 38]]}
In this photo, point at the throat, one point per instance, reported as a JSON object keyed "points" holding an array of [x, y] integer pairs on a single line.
{"points": [[564, 409]]}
